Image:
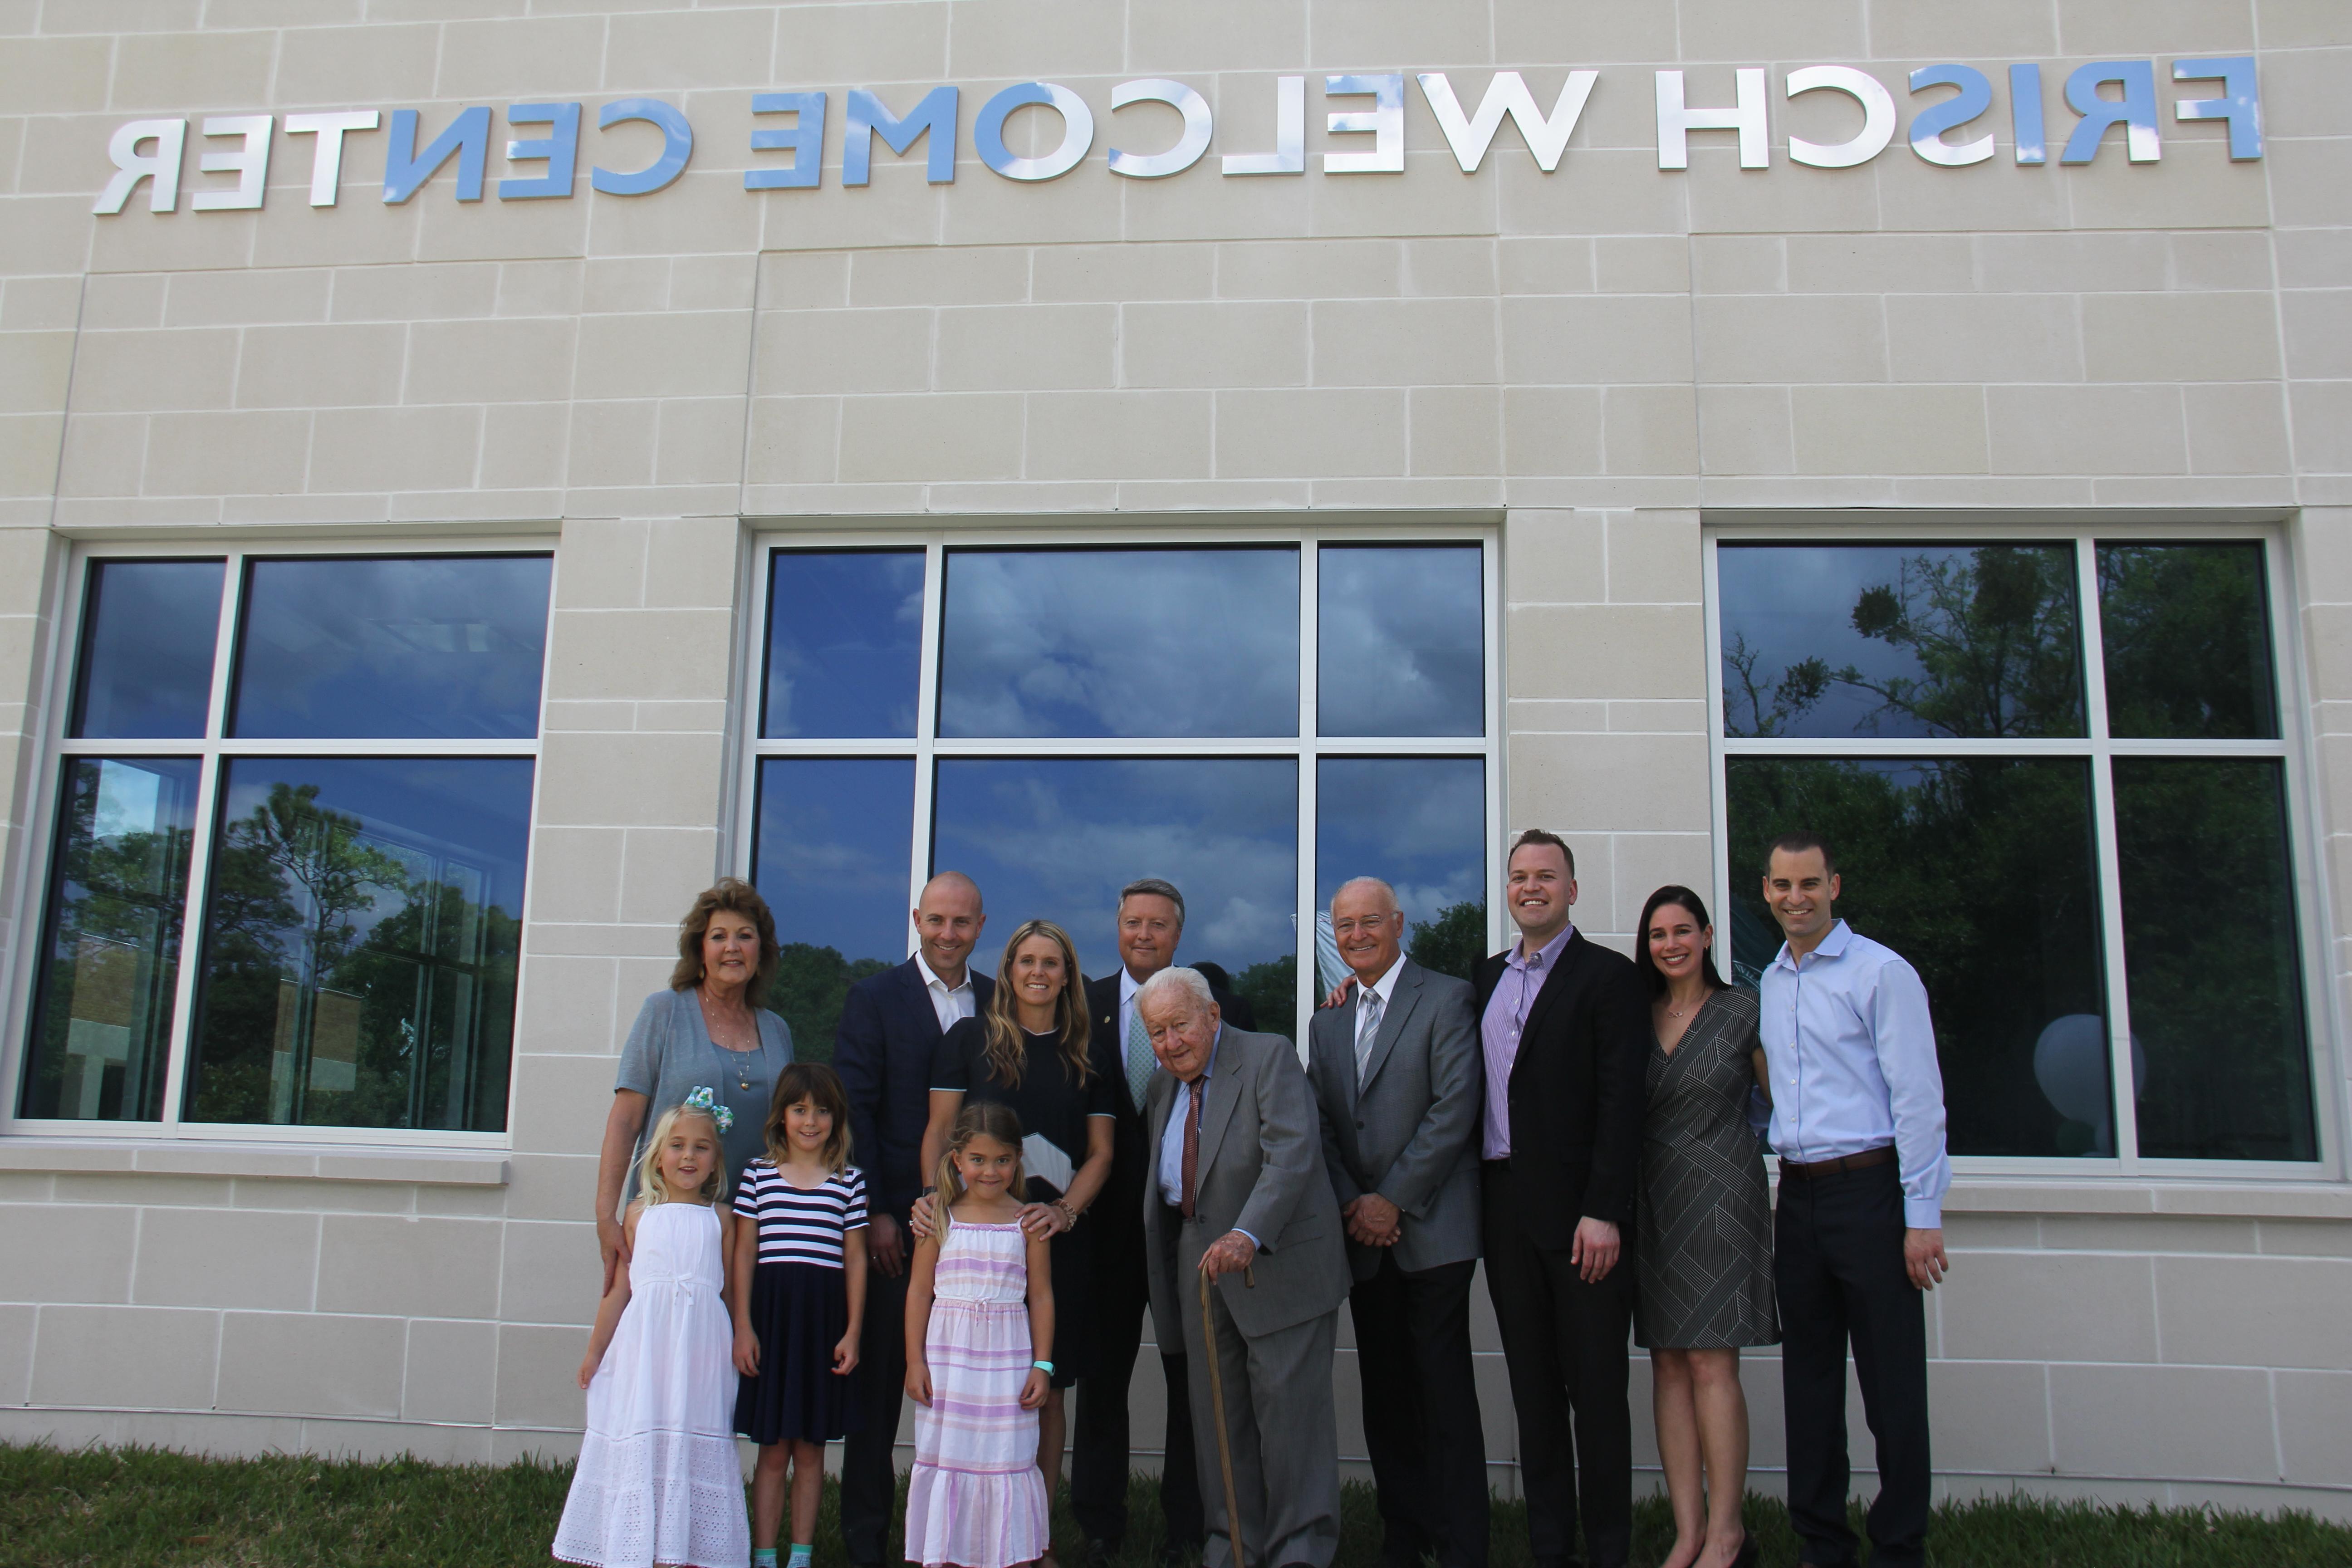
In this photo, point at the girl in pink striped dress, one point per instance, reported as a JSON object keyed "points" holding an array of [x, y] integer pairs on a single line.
{"points": [[980, 1339]]}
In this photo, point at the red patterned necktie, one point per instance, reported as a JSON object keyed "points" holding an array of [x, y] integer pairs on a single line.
{"points": [[1192, 1144]]}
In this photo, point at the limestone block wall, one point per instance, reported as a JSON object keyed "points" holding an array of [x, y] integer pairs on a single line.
{"points": [[1598, 364]]}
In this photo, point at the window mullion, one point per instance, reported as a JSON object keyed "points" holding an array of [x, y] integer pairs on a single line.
{"points": [[927, 723], [225, 645], [2123, 1081], [1491, 552], [182, 1038], [181, 1041], [1310, 781]]}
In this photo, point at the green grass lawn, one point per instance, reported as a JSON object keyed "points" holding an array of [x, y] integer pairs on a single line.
{"points": [[105, 1508]]}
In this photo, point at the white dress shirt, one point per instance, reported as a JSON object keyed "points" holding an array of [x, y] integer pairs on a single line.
{"points": [[953, 1003], [1851, 1049], [1385, 989]]}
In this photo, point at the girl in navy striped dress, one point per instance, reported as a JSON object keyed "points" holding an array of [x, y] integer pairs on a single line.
{"points": [[800, 1296]]}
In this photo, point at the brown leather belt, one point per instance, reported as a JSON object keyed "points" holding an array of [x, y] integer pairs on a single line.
{"points": [[1880, 1155]]}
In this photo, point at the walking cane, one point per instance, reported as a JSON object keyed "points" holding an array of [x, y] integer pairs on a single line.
{"points": [[1217, 1400]]}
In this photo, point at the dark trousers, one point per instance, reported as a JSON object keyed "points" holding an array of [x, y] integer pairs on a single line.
{"points": [[1421, 1411], [1564, 1343], [870, 1474], [1101, 1441], [1838, 1263]]}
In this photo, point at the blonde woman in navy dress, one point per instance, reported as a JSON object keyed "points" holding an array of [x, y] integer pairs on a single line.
{"points": [[799, 1302]]}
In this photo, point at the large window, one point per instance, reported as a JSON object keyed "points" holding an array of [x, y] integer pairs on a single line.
{"points": [[285, 875], [1255, 720], [2055, 772]]}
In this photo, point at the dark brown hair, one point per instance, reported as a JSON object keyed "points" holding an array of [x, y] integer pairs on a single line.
{"points": [[734, 896], [821, 1087], [1008, 1052], [1540, 835], [1681, 898], [1801, 843]]}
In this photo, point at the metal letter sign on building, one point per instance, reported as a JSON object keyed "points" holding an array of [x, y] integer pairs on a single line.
{"points": [[154, 150]]}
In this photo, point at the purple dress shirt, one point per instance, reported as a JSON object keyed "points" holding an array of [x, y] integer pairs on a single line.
{"points": [[1499, 1031]]}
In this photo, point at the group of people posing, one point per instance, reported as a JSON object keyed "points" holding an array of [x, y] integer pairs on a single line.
{"points": [[1040, 1160]]}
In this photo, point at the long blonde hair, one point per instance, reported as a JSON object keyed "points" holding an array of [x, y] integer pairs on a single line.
{"points": [[651, 1188], [978, 1118], [1007, 1051]]}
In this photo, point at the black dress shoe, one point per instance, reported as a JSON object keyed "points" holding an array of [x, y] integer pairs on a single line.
{"points": [[1177, 1553], [1749, 1553], [1100, 1553]]}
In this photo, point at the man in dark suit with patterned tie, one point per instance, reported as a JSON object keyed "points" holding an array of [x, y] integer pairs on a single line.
{"points": [[890, 1026], [1150, 923]]}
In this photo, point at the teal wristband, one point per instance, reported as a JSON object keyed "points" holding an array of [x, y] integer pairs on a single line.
{"points": [[1045, 1366]]}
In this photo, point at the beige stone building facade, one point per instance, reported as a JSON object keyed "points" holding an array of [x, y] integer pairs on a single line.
{"points": [[1734, 433]]}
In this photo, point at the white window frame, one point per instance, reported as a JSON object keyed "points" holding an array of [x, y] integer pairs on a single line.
{"points": [[2294, 749], [20, 980], [927, 748]]}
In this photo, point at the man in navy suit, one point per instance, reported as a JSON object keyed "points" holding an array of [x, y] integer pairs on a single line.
{"points": [[890, 1025]]}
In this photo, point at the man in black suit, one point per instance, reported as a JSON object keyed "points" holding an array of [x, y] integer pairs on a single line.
{"points": [[890, 1025], [1150, 921], [1564, 1028]]}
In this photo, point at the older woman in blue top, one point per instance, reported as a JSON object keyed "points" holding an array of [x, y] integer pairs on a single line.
{"points": [[705, 1030]]}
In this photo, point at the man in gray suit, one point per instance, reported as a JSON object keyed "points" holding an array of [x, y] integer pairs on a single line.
{"points": [[1396, 1075], [1237, 1192]]}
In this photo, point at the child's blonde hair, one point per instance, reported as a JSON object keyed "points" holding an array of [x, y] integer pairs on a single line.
{"points": [[979, 1119], [651, 1188]]}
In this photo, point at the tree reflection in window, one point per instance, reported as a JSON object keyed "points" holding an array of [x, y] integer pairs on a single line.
{"points": [[360, 971], [103, 1021], [1976, 643], [1978, 871], [2185, 639], [2212, 946]]}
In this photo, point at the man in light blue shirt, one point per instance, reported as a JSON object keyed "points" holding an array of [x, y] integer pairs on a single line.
{"points": [[1858, 1122]]}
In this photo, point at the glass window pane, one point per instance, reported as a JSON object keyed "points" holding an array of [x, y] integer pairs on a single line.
{"points": [[1120, 642], [2211, 950], [844, 643], [832, 854], [1058, 838], [359, 943], [369, 648], [1980, 872], [1401, 641], [110, 950], [2186, 636], [1419, 824], [1978, 641], [147, 641]]}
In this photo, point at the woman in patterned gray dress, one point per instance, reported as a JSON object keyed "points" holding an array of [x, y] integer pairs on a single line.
{"points": [[1705, 1247]]}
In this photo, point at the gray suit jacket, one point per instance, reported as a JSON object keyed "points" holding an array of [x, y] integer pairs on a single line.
{"points": [[1409, 1132], [1260, 1170]]}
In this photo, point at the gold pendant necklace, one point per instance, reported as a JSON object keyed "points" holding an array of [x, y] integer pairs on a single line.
{"points": [[743, 1057]]}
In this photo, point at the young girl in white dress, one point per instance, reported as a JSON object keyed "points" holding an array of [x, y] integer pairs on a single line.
{"points": [[658, 1480], [980, 1338]]}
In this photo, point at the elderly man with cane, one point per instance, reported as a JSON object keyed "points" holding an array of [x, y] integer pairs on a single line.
{"points": [[1243, 1235]]}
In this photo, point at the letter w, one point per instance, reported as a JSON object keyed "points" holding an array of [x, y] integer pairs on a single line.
{"points": [[1508, 94], [936, 114]]}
